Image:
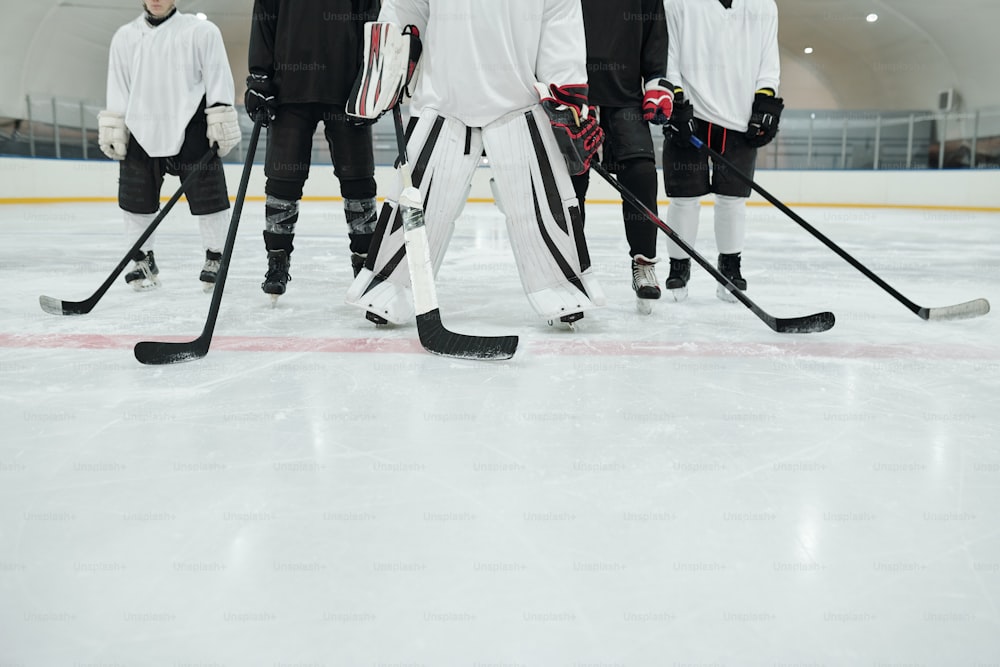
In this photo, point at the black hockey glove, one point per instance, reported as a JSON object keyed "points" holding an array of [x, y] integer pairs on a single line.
{"points": [[681, 125], [763, 124], [577, 131], [261, 99]]}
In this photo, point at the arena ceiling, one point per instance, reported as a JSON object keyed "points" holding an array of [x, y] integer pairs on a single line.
{"points": [[915, 50]]}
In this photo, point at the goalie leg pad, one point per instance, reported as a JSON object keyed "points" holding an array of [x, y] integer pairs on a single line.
{"points": [[544, 220], [443, 155]]}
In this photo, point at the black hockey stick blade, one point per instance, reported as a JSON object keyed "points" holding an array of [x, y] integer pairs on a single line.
{"points": [[159, 353], [434, 336], [436, 339], [59, 307], [815, 323], [960, 311]]}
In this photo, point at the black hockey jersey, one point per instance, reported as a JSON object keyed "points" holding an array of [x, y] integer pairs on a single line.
{"points": [[311, 49], [626, 47]]}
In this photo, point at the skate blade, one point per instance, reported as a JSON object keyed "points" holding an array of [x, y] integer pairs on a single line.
{"points": [[724, 294], [207, 287], [678, 295], [274, 300], [144, 285], [644, 306]]}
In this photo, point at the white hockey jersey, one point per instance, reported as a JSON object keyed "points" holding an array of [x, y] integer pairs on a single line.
{"points": [[157, 77], [721, 57], [481, 58]]}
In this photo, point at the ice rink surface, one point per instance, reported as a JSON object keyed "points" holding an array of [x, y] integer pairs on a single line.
{"points": [[683, 488]]}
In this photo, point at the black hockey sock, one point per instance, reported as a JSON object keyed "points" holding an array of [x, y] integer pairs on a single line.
{"points": [[274, 241], [639, 177]]}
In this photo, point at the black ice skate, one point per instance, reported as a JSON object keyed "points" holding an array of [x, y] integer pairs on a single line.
{"points": [[729, 266], [277, 277], [644, 283], [680, 274], [210, 272], [144, 274]]}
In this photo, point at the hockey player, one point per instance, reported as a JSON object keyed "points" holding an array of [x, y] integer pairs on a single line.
{"points": [[626, 68], [731, 106], [527, 111], [169, 97], [304, 59]]}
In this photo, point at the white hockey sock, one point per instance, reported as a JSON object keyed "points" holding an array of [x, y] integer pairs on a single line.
{"points": [[682, 217], [135, 225], [213, 229], [730, 223]]}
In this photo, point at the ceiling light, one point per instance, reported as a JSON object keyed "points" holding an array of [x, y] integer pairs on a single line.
{"points": [[807, 50], [202, 15], [871, 18]]}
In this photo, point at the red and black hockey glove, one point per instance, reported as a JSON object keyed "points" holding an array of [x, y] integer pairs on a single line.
{"points": [[681, 125], [658, 102], [763, 124], [261, 99], [577, 131]]}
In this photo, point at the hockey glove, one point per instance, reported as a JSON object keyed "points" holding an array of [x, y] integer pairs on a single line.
{"points": [[112, 135], [658, 102], [681, 125], [223, 128], [388, 67], [261, 99], [577, 131], [763, 124]]}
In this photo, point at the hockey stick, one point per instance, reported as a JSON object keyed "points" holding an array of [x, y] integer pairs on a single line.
{"points": [[155, 353], [959, 311], [808, 324], [58, 307], [433, 335]]}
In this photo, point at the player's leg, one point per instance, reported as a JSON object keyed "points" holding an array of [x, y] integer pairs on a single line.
{"points": [[629, 154], [140, 178], [207, 195], [543, 217], [731, 195], [443, 155], [354, 167], [286, 166], [686, 180]]}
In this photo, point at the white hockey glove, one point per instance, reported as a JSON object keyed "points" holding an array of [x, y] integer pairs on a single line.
{"points": [[112, 135], [390, 60], [223, 128]]}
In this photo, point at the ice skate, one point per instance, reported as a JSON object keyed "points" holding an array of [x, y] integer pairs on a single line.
{"points": [[210, 271], [277, 277], [644, 283], [144, 274], [729, 266], [680, 274]]}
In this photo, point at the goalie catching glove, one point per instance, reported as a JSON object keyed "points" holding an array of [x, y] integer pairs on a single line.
{"points": [[577, 131], [388, 67]]}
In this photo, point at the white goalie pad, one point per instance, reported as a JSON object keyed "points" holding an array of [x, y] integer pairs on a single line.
{"points": [[543, 217], [443, 156], [384, 70]]}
